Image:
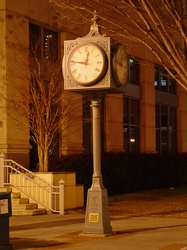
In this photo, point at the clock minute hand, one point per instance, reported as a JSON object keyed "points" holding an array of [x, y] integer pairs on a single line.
{"points": [[78, 62], [119, 62]]}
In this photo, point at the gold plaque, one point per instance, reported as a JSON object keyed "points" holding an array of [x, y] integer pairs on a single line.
{"points": [[93, 217]]}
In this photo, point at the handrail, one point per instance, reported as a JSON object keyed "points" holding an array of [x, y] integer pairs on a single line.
{"points": [[33, 186], [14, 168], [27, 174]]}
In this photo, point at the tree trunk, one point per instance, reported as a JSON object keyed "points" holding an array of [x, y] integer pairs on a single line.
{"points": [[43, 157], [46, 160]]}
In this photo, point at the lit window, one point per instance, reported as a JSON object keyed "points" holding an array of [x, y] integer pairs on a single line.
{"points": [[43, 42], [163, 82]]}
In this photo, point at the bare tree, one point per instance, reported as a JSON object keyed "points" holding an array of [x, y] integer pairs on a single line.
{"points": [[159, 25], [46, 106], [32, 94], [45, 111]]}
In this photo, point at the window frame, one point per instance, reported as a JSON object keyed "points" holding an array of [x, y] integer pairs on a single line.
{"points": [[39, 49], [161, 75], [131, 144], [166, 134], [134, 71]]}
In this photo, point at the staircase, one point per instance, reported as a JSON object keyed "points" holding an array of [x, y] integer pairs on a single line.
{"points": [[21, 206], [31, 185], [45, 189]]}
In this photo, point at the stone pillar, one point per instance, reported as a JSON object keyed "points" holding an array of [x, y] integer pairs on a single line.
{"points": [[14, 125], [147, 108], [182, 119], [114, 122], [72, 126], [2, 157]]}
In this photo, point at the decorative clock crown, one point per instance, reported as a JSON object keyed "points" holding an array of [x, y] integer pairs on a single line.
{"points": [[94, 29]]}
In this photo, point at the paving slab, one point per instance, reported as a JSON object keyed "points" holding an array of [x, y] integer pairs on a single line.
{"points": [[52, 231]]}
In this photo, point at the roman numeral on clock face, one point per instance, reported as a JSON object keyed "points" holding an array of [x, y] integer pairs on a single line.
{"points": [[98, 70], [74, 71]]}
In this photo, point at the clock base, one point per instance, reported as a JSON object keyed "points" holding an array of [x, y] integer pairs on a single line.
{"points": [[97, 220]]}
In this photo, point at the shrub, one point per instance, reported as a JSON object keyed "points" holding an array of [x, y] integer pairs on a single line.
{"points": [[124, 173]]}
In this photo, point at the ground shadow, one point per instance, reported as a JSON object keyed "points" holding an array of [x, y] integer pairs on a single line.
{"points": [[24, 243], [46, 224]]}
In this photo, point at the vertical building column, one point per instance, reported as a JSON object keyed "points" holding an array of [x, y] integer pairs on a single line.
{"points": [[114, 122], [14, 62], [147, 108], [182, 119], [72, 125]]}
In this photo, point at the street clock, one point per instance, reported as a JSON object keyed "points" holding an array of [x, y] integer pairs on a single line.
{"points": [[88, 63]]}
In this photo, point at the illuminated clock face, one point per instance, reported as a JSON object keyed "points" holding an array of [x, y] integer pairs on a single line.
{"points": [[87, 64], [120, 66]]}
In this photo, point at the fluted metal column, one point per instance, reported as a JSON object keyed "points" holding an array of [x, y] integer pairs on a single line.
{"points": [[96, 139], [97, 220]]}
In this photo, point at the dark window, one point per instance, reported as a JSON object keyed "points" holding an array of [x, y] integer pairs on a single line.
{"points": [[163, 82], [43, 42], [133, 71], [43, 48], [131, 124], [166, 136], [35, 40]]}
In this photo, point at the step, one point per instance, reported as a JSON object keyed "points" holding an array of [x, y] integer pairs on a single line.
{"points": [[15, 195], [21, 206], [38, 211], [6, 189], [19, 200], [26, 206]]}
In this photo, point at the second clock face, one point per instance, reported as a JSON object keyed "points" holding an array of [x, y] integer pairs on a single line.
{"points": [[87, 64], [120, 66]]}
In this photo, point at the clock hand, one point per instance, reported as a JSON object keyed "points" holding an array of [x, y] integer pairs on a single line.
{"points": [[120, 63], [78, 62], [86, 61]]}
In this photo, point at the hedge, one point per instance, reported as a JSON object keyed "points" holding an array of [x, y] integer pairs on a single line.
{"points": [[125, 173]]}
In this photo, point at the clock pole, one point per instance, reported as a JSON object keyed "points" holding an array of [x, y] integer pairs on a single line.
{"points": [[97, 219]]}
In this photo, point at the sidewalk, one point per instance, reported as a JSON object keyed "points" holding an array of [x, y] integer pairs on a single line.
{"points": [[62, 232]]}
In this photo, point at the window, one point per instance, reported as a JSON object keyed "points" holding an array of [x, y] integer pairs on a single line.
{"points": [[163, 82], [43, 42], [131, 125], [133, 72], [45, 85], [166, 132]]}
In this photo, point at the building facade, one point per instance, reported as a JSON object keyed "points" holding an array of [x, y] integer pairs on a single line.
{"points": [[151, 116]]}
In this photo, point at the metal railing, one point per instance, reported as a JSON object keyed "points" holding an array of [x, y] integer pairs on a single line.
{"points": [[49, 196]]}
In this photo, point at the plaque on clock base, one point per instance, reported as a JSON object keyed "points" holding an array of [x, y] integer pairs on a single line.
{"points": [[97, 220]]}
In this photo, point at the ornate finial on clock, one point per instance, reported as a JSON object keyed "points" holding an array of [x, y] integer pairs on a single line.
{"points": [[95, 18], [94, 29]]}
